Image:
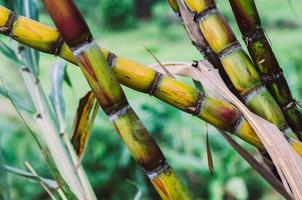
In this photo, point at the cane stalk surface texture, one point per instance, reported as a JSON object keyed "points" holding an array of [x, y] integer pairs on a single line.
{"points": [[206, 50], [220, 114], [249, 23], [111, 98], [236, 63]]}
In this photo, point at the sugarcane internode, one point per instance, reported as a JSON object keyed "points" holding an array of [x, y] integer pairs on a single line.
{"points": [[259, 47], [219, 113], [111, 98], [235, 62]]}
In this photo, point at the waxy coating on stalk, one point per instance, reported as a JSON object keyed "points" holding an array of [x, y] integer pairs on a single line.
{"points": [[141, 78], [236, 63], [249, 23], [111, 98]]}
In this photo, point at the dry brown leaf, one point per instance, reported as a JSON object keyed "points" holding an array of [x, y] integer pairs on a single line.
{"points": [[286, 160], [83, 123]]}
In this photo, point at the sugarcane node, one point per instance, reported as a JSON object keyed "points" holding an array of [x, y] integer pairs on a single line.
{"points": [[239, 118], [251, 92], [82, 47], [161, 168], [235, 46], [8, 28], [157, 79], [111, 59], [200, 100], [58, 46], [251, 37], [118, 111], [293, 103], [200, 17], [272, 77]]}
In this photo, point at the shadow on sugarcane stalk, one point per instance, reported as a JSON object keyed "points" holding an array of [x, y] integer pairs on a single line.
{"points": [[285, 159]]}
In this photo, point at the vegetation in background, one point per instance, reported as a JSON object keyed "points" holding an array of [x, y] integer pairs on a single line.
{"points": [[186, 151]]}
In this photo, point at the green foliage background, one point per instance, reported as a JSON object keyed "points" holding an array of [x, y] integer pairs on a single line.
{"points": [[111, 169]]}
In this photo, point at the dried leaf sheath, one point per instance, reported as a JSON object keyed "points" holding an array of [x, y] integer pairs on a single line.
{"points": [[141, 78], [83, 123], [111, 98], [201, 44], [249, 23], [236, 63]]}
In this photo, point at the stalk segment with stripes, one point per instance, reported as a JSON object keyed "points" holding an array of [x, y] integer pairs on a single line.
{"points": [[236, 62], [249, 23], [220, 114], [202, 45], [111, 98]]}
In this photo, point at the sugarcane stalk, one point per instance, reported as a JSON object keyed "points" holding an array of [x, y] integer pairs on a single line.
{"points": [[202, 45], [249, 23], [236, 62], [220, 114], [108, 92]]}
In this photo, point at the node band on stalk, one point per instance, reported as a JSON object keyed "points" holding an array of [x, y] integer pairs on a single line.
{"points": [[200, 17], [83, 47], [159, 170], [111, 59], [229, 50], [199, 102], [239, 119], [290, 105], [271, 78], [118, 113], [253, 36], [8, 28], [58, 46], [157, 79], [252, 91]]}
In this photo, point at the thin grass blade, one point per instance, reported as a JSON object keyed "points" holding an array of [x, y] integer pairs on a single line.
{"points": [[56, 96]]}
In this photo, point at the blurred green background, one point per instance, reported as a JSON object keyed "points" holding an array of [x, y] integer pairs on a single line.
{"points": [[125, 27]]}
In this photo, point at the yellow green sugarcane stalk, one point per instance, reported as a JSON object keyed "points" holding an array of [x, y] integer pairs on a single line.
{"points": [[202, 45], [236, 62], [249, 23], [220, 114], [108, 92]]}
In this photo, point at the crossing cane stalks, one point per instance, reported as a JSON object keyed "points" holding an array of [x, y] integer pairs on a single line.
{"points": [[220, 114], [249, 23], [111, 98], [236, 62]]}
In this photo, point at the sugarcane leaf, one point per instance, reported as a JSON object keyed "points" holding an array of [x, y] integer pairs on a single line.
{"points": [[67, 79], [4, 186], [83, 123], [19, 102], [24, 173], [160, 64], [57, 75], [31, 169], [30, 9], [209, 152], [266, 174], [9, 53]]}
